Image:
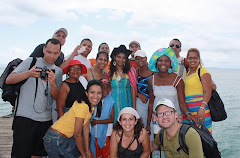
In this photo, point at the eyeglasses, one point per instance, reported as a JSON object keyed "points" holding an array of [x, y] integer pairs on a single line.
{"points": [[193, 58], [161, 114], [73, 68], [172, 45]]}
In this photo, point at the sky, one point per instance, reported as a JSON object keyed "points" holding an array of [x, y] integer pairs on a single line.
{"points": [[212, 26]]}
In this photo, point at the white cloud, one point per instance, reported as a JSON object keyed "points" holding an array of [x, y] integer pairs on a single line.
{"points": [[210, 26]]}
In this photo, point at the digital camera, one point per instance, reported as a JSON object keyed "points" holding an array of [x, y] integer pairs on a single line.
{"points": [[43, 73]]}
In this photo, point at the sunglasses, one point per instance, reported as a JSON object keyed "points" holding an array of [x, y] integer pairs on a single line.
{"points": [[177, 46]]}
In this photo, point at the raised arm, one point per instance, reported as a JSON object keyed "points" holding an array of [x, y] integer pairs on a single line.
{"points": [[14, 77], [66, 62]]}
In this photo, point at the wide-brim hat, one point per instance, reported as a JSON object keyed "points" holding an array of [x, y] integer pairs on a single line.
{"points": [[128, 110], [165, 102], [160, 52], [75, 62], [120, 49]]}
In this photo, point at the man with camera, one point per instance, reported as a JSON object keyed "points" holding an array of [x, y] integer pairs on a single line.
{"points": [[33, 112]]}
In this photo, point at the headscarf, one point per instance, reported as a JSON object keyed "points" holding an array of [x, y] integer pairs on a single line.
{"points": [[160, 52]]}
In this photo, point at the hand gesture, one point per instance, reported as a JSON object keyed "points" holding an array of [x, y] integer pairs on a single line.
{"points": [[34, 72], [143, 98], [200, 116], [75, 53], [93, 122], [51, 77]]}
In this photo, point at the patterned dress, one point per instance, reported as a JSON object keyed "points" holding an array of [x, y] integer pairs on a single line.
{"points": [[194, 97], [121, 93]]}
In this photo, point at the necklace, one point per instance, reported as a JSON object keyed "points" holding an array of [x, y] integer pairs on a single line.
{"points": [[118, 78]]}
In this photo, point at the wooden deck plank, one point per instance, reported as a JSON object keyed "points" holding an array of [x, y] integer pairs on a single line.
{"points": [[6, 139]]}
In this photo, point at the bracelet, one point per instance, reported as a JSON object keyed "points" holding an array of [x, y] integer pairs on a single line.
{"points": [[202, 108], [204, 102]]}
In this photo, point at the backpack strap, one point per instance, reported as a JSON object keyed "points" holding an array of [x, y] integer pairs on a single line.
{"points": [[186, 64], [161, 140], [183, 130], [199, 73], [31, 65]]}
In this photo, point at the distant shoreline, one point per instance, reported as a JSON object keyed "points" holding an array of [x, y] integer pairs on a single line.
{"points": [[3, 66]]}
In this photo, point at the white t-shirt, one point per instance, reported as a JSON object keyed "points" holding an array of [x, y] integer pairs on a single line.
{"points": [[181, 67]]}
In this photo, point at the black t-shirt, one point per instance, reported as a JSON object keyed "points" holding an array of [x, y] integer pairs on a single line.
{"points": [[38, 52]]}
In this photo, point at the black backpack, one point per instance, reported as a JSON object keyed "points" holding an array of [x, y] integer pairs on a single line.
{"points": [[10, 92], [209, 145]]}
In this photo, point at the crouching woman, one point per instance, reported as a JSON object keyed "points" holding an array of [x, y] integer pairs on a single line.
{"points": [[69, 136], [129, 139]]}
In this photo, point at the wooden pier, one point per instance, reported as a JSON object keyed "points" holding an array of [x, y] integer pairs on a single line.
{"points": [[6, 137]]}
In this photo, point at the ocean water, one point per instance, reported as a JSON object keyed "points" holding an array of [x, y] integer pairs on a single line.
{"points": [[227, 132]]}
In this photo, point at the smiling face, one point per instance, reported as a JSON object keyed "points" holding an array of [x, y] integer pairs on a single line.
{"points": [[141, 61], [176, 47], [51, 52], [134, 47], [163, 63], [94, 94], [166, 121], [128, 122], [193, 59], [88, 45], [102, 61], [120, 59], [106, 89], [75, 71], [60, 36], [104, 48]]}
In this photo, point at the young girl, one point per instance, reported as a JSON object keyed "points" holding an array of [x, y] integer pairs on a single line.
{"points": [[103, 118], [74, 124]]}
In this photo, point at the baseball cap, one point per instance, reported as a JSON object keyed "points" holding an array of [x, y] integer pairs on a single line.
{"points": [[136, 42], [128, 110], [61, 30], [140, 53], [165, 102]]}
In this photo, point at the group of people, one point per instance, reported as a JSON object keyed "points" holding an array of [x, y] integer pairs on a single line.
{"points": [[109, 108]]}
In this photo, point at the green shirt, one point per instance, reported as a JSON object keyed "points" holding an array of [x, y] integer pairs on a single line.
{"points": [[192, 139]]}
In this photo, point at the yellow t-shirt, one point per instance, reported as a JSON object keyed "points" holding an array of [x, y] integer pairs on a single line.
{"points": [[193, 84], [192, 139], [66, 123]]}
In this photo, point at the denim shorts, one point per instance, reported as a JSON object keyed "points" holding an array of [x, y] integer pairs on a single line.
{"points": [[58, 146]]}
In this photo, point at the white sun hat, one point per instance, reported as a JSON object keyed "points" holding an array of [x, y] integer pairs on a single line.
{"points": [[128, 110]]}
